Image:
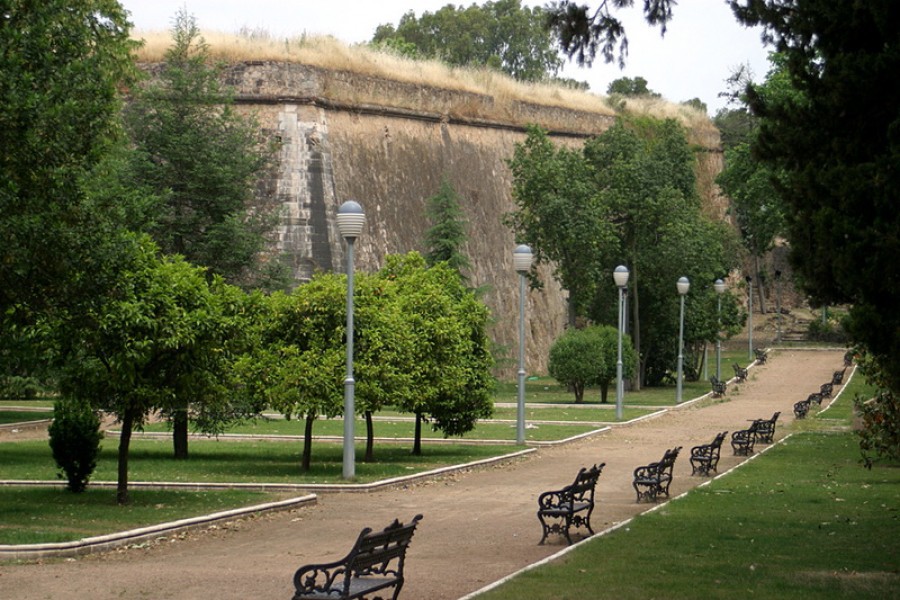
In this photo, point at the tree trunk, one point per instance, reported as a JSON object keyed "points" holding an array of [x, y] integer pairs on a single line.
{"points": [[604, 392], [417, 441], [370, 438], [124, 444], [307, 442], [759, 287], [579, 393], [180, 432]]}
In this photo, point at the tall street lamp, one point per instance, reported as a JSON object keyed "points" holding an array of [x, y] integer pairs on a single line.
{"points": [[719, 286], [683, 286], [620, 276], [350, 221], [750, 316], [522, 262]]}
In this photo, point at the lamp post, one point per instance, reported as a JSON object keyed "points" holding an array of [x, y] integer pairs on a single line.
{"points": [[522, 262], [620, 276], [683, 285], [350, 221], [719, 286], [750, 316]]}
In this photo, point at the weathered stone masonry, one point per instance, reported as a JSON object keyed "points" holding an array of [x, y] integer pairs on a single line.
{"points": [[391, 160]]}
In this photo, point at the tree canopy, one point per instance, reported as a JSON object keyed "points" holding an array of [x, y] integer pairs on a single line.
{"points": [[500, 34], [835, 141]]}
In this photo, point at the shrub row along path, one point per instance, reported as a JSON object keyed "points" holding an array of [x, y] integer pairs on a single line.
{"points": [[478, 526]]}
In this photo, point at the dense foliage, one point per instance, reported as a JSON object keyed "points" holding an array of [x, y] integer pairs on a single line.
{"points": [[627, 198], [445, 239], [835, 142], [75, 441], [589, 356], [499, 34], [201, 159]]}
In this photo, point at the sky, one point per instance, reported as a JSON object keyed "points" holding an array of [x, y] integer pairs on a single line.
{"points": [[702, 46]]}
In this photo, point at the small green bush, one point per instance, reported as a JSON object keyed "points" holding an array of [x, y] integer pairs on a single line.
{"points": [[75, 440], [832, 330]]}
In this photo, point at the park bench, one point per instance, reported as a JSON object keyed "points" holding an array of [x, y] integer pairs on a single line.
{"points": [[718, 386], [740, 373], [743, 440], [560, 510], [374, 563], [815, 397], [826, 390], [838, 377], [765, 429], [848, 358], [705, 458], [654, 479], [761, 355], [801, 409]]}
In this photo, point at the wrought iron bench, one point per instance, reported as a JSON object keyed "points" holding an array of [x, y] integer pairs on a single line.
{"points": [[740, 373], [654, 479], [718, 386], [815, 397], [743, 440], [374, 563], [705, 458], [765, 429], [761, 355], [838, 377], [826, 389], [848, 358], [560, 510], [801, 409]]}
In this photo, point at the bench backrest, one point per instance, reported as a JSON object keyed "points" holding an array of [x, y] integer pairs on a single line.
{"points": [[668, 460], [717, 442], [382, 552], [582, 489]]}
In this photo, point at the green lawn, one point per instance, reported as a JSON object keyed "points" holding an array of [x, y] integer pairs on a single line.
{"points": [[21, 416], [42, 515]]}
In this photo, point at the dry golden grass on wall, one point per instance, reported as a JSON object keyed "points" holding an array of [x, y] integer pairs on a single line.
{"points": [[329, 53]]}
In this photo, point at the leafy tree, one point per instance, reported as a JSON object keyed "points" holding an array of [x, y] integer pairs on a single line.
{"points": [[756, 205], [627, 86], [75, 441], [61, 65], [202, 159], [447, 234], [501, 35], [698, 104], [736, 126], [589, 356], [559, 215], [450, 365], [131, 352], [835, 141]]}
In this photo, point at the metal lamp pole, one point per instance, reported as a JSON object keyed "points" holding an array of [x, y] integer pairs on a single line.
{"points": [[350, 221], [522, 257], [620, 276], [719, 286], [683, 285]]}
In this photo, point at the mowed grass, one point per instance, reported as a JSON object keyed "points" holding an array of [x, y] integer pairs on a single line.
{"points": [[47, 515], [22, 416], [804, 521], [248, 461]]}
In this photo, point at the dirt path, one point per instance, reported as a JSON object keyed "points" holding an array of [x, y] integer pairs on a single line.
{"points": [[478, 526]]}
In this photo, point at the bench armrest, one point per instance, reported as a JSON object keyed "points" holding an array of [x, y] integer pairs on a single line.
{"points": [[554, 499], [651, 470], [313, 578]]}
